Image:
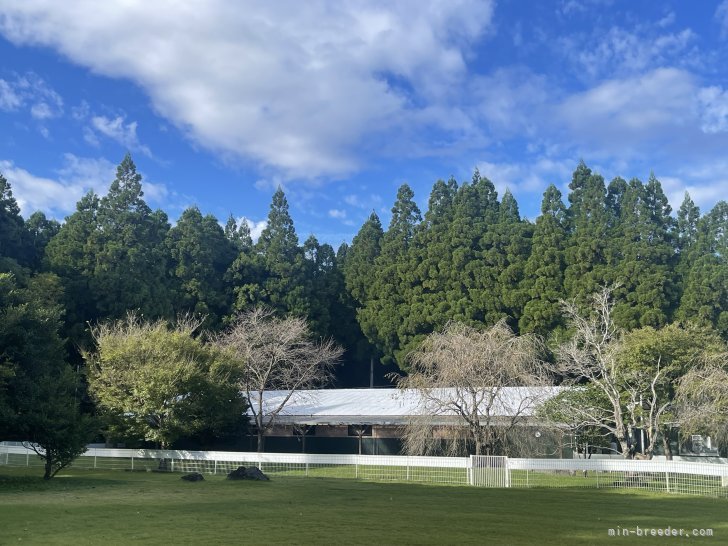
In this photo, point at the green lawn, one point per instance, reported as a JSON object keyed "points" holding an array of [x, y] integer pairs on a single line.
{"points": [[116, 507]]}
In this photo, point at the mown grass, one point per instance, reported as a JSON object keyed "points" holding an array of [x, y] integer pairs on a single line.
{"points": [[113, 507]]}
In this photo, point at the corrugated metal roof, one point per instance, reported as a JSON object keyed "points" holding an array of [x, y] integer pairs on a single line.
{"points": [[388, 406]]}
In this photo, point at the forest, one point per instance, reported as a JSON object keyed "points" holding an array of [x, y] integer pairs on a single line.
{"points": [[470, 257]]}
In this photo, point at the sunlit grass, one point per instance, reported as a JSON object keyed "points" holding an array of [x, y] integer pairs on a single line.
{"points": [[116, 507]]}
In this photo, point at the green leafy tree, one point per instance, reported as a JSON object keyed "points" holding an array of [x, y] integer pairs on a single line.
{"points": [[650, 365], [38, 389], [157, 383]]}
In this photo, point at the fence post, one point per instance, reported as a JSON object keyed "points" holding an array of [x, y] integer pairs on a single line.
{"points": [[132, 460], [27, 457], [172, 465], [408, 468], [667, 481], [214, 471]]}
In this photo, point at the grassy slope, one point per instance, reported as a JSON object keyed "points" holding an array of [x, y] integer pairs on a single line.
{"points": [[88, 507]]}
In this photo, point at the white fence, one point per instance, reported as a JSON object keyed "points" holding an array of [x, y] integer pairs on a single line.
{"points": [[665, 476]]}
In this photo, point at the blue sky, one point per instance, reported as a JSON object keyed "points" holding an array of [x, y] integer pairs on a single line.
{"points": [[340, 102]]}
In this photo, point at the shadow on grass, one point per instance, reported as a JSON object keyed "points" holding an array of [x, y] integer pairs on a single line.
{"points": [[16, 482]]}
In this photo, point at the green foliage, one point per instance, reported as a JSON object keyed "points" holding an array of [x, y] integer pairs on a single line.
{"points": [[544, 270], [586, 252], [200, 256], [131, 261], [157, 383], [12, 227], [39, 392], [705, 296]]}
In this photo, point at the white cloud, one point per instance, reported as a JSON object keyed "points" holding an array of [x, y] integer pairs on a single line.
{"points": [[295, 90], [31, 91], [528, 180], [57, 196], [624, 116], [9, 99], [117, 130], [628, 51], [705, 188], [721, 15], [256, 228], [39, 193], [41, 111], [81, 111], [508, 98], [714, 102], [337, 213]]}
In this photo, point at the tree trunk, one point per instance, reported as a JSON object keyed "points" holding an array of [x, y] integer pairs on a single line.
{"points": [[667, 446], [261, 440], [48, 467]]}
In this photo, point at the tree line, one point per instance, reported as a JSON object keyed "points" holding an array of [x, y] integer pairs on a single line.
{"points": [[471, 258]]}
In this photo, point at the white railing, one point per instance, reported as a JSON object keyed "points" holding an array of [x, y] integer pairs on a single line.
{"points": [[693, 478]]}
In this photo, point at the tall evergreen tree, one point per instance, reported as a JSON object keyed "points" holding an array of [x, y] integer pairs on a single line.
{"points": [[429, 259], [705, 296], [281, 284], [131, 263], [12, 226], [200, 256], [544, 270], [360, 259], [40, 230], [71, 254], [646, 287], [586, 253], [382, 319], [471, 278]]}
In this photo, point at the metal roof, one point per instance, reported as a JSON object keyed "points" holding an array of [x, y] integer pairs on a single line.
{"points": [[389, 406]]}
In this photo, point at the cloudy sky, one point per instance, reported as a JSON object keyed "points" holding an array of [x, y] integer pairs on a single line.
{"points": [[339, 102]]}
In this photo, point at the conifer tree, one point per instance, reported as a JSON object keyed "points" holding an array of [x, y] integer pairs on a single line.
{"points": [[705, 296], [12, 226], [200, 256], [586, 251], [131, 264], [544, 270], [383, 319]]}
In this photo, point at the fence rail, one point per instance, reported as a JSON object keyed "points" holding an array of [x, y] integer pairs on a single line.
{"points": [[679, 477]]}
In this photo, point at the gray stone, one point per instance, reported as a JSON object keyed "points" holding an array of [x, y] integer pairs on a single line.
{"points": [[250, 473], [193, 477]]}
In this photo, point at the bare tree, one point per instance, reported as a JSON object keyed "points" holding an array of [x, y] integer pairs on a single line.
{"points": [[702, 399], [591, 355], [279, 354], [463, 372], [616, 399]]}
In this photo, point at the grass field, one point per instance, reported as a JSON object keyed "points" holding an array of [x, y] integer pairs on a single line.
{"points": [[112, 507]]}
